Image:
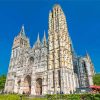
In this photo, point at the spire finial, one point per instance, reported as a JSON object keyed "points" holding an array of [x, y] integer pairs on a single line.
{"points": [[22, 32], [86, 53], [38, 43], [44, 36], [44, 39], [38, 38]]}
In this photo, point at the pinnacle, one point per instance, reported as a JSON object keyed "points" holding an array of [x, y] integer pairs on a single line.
{"points": [[57, 5], [44, 39], [38, 38], [22, 32]]}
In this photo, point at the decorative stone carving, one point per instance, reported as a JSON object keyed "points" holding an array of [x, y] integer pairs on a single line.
{"points": [[47, 67]]}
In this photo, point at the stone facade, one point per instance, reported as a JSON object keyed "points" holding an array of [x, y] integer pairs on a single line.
{"points": [[49, 66]]}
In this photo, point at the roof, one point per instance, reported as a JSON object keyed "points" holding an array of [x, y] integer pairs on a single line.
{"points": [[94, 87]]}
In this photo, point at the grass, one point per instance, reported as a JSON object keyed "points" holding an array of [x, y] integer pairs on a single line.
{"points": [[17, 97], [9, 97], [53, 97]]}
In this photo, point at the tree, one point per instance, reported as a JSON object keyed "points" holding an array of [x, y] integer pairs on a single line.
{"points": [[2, 81], [96, 79]]}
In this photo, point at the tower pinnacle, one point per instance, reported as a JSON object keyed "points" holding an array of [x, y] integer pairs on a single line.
{"points": [[44, 39], [57, 6], [88, 56], [38, 38], [22, 31], [38, 43]]}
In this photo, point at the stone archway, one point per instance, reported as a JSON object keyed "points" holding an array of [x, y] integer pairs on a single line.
{"points": [[39, 86], [27, 85]]}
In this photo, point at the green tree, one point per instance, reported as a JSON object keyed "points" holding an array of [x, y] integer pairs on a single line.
{"points": [[96, 79], [2, 81]]}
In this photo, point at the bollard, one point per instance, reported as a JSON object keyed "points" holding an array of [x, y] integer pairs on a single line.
{"points": [[20, 97]]}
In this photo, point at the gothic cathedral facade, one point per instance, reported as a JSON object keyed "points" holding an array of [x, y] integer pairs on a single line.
{"points": [[49, 67]]}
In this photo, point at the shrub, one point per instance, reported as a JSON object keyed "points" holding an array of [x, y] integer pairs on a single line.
{"points": [[74, 97], [54, 97]]}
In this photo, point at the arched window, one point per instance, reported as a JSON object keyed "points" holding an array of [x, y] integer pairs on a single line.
{"points": [[31, 60]]}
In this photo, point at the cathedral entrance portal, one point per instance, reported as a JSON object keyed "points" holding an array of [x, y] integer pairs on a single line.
{"points": [[27, 85], [39, 86]]}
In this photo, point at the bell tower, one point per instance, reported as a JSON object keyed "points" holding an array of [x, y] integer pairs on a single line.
{"points": [[60, 63], [21, 42]]}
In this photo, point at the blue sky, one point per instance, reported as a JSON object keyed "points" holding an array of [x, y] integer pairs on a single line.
{"points": [[83, 19]]}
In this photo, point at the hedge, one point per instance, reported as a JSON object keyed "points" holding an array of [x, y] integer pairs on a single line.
{"points": [[73, 97], [53, 97]]}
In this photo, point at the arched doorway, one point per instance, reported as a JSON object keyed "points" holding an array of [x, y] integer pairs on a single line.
{"points": [[27, 85], [39, 86]]}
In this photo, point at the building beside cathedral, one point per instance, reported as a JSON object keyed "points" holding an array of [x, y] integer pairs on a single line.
{"points": [[48, 67]]}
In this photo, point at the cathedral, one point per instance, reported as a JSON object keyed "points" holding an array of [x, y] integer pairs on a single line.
{"points": [[51, 66]]}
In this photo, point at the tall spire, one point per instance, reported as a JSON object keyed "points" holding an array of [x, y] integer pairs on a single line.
{"points": [[72, 47], [44, 39], [87, 55], [38, 43], [90, 61], [38, 38], [22, 31]]}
